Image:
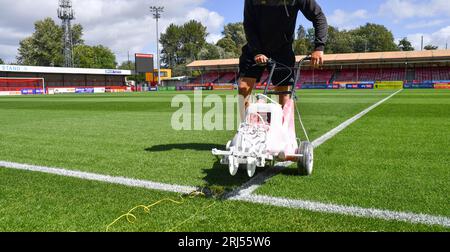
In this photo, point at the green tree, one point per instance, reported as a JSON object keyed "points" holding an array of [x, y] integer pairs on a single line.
{"points": [[234, 39], [301, 32], [405, 45], [77, 35], [94, 57], [171, 46], [373, 38], [302, 46], [193, 37], [228, 46], [236, 32], [310, 35], [104, 57], [1, 61], [431, 47], [339, 41], [182, 45], [44, 47], [127, 65], [84, 56], [210, 51]]}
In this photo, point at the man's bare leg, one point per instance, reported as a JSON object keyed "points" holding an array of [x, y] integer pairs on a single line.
{"points": [[245, 90], [283, 98]]}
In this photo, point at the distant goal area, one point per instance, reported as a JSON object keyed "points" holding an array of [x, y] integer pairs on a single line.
{"points": [[30, 80]]}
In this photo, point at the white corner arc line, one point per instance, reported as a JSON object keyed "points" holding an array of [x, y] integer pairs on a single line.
{"points": [[101, 178], [251, 186], [348, 210]]}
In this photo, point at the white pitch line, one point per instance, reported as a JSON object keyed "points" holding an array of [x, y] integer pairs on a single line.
{"points": [[266, 200], [321, 140], [251, 186], [100, 178], [348, 210]]}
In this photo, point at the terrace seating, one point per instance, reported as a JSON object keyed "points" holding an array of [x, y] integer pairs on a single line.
{"points": [[227, 78], [316, 76], [432, 74], [384, 74], [207, 78]]}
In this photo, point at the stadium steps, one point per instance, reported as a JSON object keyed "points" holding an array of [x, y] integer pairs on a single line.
{"points": [[335, 76], [410, 75]]}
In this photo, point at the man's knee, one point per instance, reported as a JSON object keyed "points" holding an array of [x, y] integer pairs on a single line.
{"points": [[246, 86], [244, 90]]}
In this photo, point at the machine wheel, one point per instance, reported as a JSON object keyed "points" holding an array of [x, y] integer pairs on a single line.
{"points": [[306, 163], [233, 165], [251, 168]]}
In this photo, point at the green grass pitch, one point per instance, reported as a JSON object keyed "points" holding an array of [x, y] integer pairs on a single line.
{"points": [[395, 158]]}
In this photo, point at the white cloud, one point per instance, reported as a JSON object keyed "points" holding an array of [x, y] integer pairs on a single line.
{"points": [[213, 21], [425, 24], [347, 20], [439, 38], [8, 50], [405, 9], [122, 25]]}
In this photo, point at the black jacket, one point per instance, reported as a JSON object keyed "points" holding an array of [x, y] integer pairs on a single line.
{"points": [[270, 24]]}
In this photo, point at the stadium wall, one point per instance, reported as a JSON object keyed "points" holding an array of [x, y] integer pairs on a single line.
{"points": [[64, 80]]}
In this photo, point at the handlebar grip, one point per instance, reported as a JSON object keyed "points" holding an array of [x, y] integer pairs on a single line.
{"points": [[269, 62]]}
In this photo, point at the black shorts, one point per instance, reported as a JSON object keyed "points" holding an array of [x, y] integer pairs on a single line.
{"points": [[281, 77]]}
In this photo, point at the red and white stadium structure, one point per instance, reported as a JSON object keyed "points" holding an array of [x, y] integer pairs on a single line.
{"points": [[420, 69], [24, 80], [416, 69]]}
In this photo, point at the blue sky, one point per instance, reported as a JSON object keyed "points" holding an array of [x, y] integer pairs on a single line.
{"points": [[349, 14], [127, 25]]}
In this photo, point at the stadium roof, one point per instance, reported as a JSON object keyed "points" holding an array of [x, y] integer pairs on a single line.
{"points": [[61, 70], [348, 58]]}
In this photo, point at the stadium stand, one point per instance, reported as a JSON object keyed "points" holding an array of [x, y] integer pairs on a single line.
{"points": [[427, 74], [228, 77], [318, 76], [382, 74], [21, 78], [207, 78], [417, 66]]}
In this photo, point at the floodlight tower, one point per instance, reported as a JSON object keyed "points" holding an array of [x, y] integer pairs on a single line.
{"points": [[66, 14], [157, 10]]}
